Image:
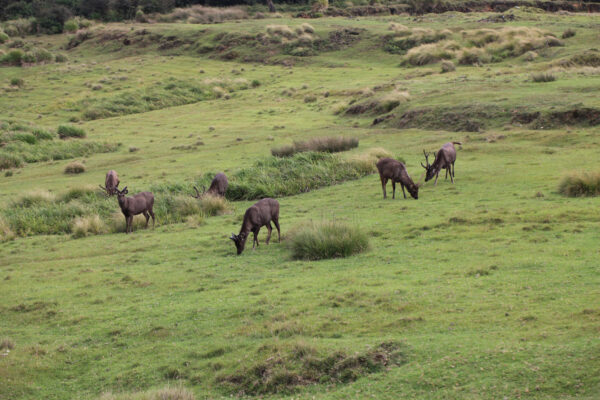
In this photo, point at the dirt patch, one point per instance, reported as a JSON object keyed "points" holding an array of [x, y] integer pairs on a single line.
{"points": [[285, 371], [543, 120], [462, 119]]}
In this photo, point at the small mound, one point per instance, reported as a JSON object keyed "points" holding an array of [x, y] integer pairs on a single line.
{"points": [[326, 239]]}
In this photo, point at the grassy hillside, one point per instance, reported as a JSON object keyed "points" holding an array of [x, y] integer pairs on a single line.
{"points": [[487, 288]]}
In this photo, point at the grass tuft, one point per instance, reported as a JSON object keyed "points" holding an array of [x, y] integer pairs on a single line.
{"points": [[326, 239], [168, 393], [448, 66], [7, 344], [543, 77], [569, 33], [68, 131], [74, 167], [214, 205], [580, 184], [327, 144], [88, 226]]}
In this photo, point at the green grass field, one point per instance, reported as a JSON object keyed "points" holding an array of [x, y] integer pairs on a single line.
{"points": [[488, 288]]}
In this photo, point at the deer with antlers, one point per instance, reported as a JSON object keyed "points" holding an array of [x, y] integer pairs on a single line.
{"points": [[218, 187], [444, 159], [140, 203], [396, 171], [260, 214], [111, 183]]}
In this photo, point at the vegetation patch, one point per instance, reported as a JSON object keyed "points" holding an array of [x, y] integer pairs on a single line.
{"points": [[69, 131], [378, 104], [171, 93], [198, 14], [328, 144], [168, 393], [464, 118], [22, 143], [326, 239], [580, 184], [284, 371]]}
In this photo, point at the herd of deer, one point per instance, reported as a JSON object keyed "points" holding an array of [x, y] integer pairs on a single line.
{"points": [[266, 210]]}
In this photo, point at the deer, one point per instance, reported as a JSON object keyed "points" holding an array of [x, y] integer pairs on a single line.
{"points": [[111, 183], [260, 214], [396, 171], [444, 159], [140, 203], [218, 187]]}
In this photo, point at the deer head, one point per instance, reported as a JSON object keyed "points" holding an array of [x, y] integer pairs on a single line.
{"points": [[240, 241], [198, 194], [430, 171], [121, 193]]}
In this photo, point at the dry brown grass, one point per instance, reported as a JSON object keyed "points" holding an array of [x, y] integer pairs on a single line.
{"points": [[74, 167], [168, 393], [88, 226], [431, 53], [5, 232], [203, 15]]}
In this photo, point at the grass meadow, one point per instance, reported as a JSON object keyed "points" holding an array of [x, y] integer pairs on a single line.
{"points": [[487, 288]]}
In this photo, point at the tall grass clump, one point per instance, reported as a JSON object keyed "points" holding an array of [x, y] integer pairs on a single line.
{"points": [[381, 104], [580, 184], [168, 393], [543, 77], [198, 14], [568, 33], [368, 160], [213, 205], [88, 226], [328, 144], [326, 239], [448, 66], [3, 37], [34, 198], [69, 131], [74, 167], [10, 160], [430, 53], [6, 232]]}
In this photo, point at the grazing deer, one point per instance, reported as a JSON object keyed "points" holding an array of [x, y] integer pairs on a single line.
{"points": [[140, 203], [444, 159], [111, 183], [218, 187], [396, 171], [260, 214]]}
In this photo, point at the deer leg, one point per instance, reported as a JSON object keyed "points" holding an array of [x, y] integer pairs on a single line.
{"points": [[453, 170], [128, 224], [383, 184], [447, 174], [276, 222], [147, 216], [436, 178], [270, 229], [153, 219], [393, 189], [452, 176], [403, 192], [255, 238]]}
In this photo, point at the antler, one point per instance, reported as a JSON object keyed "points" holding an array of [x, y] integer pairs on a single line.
{"points": [[197, 196], [426, 159]]}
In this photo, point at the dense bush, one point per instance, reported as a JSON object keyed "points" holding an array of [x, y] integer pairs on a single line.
{"points": [[326, 239], [580, 184], [74, 167], [13, 57]]}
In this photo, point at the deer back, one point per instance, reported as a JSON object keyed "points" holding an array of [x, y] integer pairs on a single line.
{"points": [[260, 214], [138, 203], [219, 184], [111, 182]]}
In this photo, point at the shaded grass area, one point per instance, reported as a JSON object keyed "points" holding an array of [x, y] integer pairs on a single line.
{"points": [[328, 144], [326, 239], [580, 184], [24, 143], [170, 93], [283, 370]]}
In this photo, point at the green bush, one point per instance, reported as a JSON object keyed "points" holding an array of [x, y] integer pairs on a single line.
{"points": [[10, 160], [13, 57], [60, 58], [66, 131], [17, 82], [580, 184], [71, 25], [74, 167], [326, 239], [568, 33], [3, 37]]}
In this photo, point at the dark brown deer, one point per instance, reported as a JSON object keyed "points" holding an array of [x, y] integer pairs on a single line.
{"points": [[260, 214], [444, 159], [111, 183], [140, 203], [218, 187], [396, 171]]}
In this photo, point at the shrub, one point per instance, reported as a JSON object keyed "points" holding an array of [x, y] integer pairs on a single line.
{"points": [[281, 30], [568, 33], [448, 66], [5, 232], [204, 15], [307, 28], [42, 55], [71, 25], [213, 205], [430, 53], [530, 56], [66, 131], [3, 37], [13, 57], [9, 160], [379, 105], [17, 82], [473, 57], [88, 226], [326, 239], [60, 58], [74, 167], [543, 77], [329, 144], [580, 184]]}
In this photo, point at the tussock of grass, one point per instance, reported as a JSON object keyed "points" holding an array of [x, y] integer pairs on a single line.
{"points": [[88, 226], [381, 104], [74, 167], [168, 393], [568, 33], [473, 57], [580, 184], [281, 30], [5, 232], [283, 371], [448, 66], [68, 131], [431, 53], [116, 222], [543, 77], [402, 40], [326, 239], [328, 144], [33, 198], [198, 14], [7, 344], [213, 205], [368, 159]]}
